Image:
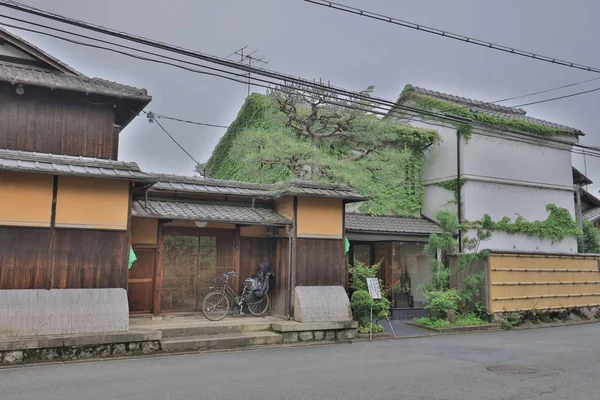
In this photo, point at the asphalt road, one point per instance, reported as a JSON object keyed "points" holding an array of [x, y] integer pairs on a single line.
{"points": [[566, 363]]}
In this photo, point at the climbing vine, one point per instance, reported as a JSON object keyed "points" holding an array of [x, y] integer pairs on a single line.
{"points": [[424, 102], [453, 185], [556, 227], [380, 159]]}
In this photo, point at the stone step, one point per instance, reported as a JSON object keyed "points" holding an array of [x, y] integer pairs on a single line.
{"points": [[215, 328], [221, 341]]}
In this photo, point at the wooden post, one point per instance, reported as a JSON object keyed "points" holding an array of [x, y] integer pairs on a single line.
{"points": [[50, 273], [158, 269], [237, 257]]}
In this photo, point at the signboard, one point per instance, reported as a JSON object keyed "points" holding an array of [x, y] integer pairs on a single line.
{"points": [[374, 290]]}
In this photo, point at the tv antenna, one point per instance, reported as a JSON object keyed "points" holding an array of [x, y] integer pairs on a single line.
{"points": [[249, 57]]}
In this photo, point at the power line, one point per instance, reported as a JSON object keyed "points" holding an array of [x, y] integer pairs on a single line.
{"points": [[558, 98], [545, 91], [316, 86], [450, 35], [152, 119], [189, 121]]}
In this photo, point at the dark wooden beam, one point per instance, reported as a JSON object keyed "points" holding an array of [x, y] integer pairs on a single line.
{"points": [[158, 269]]}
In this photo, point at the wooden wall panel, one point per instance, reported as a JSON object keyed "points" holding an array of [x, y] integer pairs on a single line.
{"points": [[141, 278], [26, 199], [144, 231], [253, 252], [320, 217], [525, 282], [48, 121], [90, 259], [24, 258], [285, 206], [280, 264], [320, 262], [92, 203]]}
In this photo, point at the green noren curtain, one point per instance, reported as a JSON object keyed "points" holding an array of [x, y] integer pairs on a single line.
{"points": [[132, 257]]}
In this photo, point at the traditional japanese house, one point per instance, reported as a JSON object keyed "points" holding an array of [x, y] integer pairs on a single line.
{"points": [[64, 197], [188, 230]]}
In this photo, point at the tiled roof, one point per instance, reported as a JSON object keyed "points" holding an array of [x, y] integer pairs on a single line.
{"points": [[192, 184], [390, 224], [591, 214], [207, 212], [312, 189], [23, 161], [489, 108], [30, 47], [580, 178], [28, 75]]}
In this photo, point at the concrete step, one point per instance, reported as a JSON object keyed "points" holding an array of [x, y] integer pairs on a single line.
{"points": [[220, 341], [216, 328]]}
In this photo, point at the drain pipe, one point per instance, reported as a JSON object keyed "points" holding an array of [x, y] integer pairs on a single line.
{"points": [[458, 191], [289, 229]]}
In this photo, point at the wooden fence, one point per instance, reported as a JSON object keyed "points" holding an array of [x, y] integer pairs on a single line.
{"points": [[528, 281]]}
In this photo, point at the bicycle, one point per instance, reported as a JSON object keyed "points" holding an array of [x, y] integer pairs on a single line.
{"points": [[216, 305]]}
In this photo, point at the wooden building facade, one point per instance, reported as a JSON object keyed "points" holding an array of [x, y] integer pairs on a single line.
{"points": [[186, 231], [64, 199]]}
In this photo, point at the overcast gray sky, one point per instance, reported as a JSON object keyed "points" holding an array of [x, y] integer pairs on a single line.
{"points": [[352, 52]]}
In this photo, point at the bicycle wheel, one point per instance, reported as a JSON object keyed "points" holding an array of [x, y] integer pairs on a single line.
{"points": [[258, 306], [215, 306]]}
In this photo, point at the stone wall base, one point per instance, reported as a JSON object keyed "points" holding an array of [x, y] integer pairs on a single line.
{"points": [[68, 353], [317, 336]]}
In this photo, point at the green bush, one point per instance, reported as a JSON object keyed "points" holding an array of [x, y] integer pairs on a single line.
{"points": [[589, 241], [440, 301], [359, 273], [468, 318], [432, 322], [361, 303], [358, 283], [377, 328], [511, 320]]}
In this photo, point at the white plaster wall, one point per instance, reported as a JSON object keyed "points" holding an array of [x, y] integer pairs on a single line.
{"points": [[504, 241], [501, 158], [437, 199], [440, 160], [505, 200], [10, 51]]}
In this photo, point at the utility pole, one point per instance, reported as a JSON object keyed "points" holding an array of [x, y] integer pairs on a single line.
{"points": [[249, 57]]}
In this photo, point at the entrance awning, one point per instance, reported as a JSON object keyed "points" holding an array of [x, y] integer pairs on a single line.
{"points": [[208, 212]]}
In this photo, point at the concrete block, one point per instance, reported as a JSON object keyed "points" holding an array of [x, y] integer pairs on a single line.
{"points": [[119, 349], [289, 337], [330, 335], [305, 336], [292, 326], [319, 335], [62, 311], [13, 357], [321, 304]]}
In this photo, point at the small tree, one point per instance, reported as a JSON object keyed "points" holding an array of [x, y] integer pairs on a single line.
{"points": [[358, 284], [440, 297]]}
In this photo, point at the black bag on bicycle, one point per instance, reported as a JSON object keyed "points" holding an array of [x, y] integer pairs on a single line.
{"points": [[260, 284]]}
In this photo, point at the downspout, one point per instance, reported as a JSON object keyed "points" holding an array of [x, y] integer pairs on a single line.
{"points": [[288, 230], [458, 191], [578, 197]]}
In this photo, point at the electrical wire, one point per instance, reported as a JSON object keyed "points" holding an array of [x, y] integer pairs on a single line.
{"points": [[171, 137], [450, 35], [545, 91], [558, 98], [189, 122], [333, 90]]}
